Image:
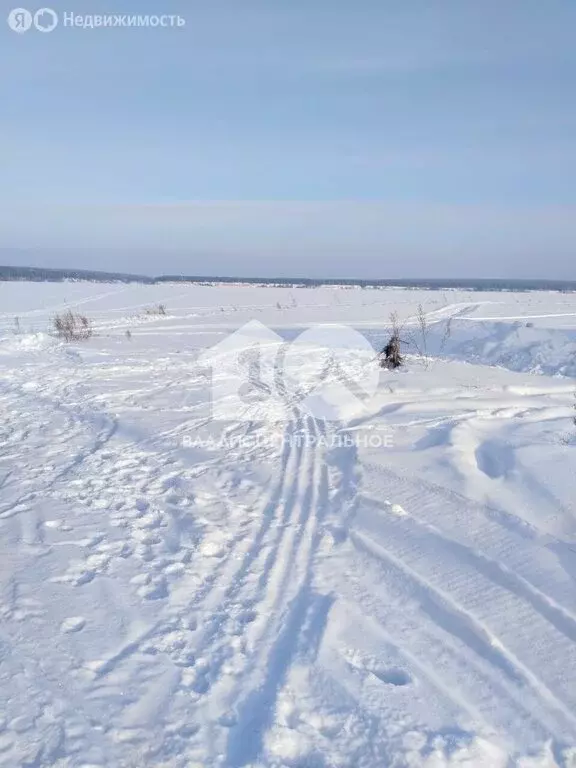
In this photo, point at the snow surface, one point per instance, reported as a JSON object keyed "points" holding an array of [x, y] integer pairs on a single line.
{"points": [[179, 591]]}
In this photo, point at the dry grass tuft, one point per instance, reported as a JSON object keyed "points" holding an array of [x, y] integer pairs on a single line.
{"points": [[72, 326]]}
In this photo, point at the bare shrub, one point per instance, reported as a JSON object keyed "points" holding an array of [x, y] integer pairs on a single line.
{"points": [[570, 439], [390, 356], [419, 339], [159, 309], [72, 326], [446, 336], [421, 342], [423, 325]]}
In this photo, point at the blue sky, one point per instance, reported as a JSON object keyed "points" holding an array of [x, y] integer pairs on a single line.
{"points": [[371, 138]]}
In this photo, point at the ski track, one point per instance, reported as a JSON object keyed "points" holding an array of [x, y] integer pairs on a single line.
{"points": [[309, 606]]}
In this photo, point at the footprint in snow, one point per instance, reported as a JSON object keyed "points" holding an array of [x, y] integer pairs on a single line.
{"points": [[73, 624], [397, 677], [396, 509]]}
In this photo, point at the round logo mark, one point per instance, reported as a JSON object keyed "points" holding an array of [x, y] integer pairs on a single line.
{"points": [[329, 371], [45, 20], [19, 20]]}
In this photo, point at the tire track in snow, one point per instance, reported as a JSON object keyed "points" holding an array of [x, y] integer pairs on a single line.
{"points": [[504, 537], [457, 621], [264, 598], [291, 608], [499, 573], [245, 594], [465, 682], [213, 597], [462, 574], [288, 549], [229, 583]]}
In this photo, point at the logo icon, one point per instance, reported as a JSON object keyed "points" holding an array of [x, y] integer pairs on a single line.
{"points": [[327, 372], [19, 20], [45, 20]]}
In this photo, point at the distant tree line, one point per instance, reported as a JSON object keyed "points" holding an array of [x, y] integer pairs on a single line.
{"points": [[39, 274]]}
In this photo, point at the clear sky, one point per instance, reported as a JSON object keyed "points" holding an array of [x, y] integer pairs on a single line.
{"points": [[370, 138]]}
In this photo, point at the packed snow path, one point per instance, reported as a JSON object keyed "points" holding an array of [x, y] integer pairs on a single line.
{"points": [[181, 592]]}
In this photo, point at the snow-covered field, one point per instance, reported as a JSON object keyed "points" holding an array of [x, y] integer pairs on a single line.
{"points": [[391, 588]]}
